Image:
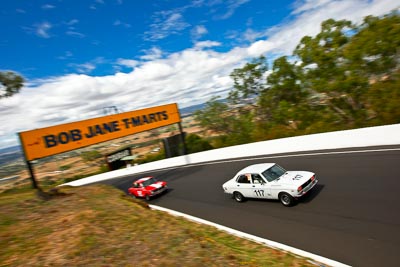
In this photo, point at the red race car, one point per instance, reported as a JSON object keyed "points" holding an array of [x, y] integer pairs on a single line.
{"points": [[147, 187]]}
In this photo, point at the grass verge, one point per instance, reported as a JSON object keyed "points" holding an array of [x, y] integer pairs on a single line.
{"points": [[99, 225]]}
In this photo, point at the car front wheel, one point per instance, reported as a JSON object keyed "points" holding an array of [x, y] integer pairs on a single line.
{"points": [[238, 197], [286, 199]]}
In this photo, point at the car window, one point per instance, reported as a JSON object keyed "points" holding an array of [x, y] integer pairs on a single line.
{"points": [[257, 179], [274, 173], [243, 179], [149, 181]]}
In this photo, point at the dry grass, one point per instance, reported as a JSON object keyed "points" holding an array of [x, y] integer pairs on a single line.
{"points": [[99, 225]]}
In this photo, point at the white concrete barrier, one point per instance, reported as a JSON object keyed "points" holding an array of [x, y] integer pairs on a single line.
{"points": [[364, 137]]}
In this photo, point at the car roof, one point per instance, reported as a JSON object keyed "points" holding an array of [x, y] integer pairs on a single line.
{"points": [[141, 180], [256, 168]]}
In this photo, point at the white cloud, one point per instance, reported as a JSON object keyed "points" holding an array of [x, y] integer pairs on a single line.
{"points": [[83, 68], [2, 90], [67, 54], [48, 6], [251, 35], [123, 24], [312, 13], [307, 5], [170, 22], [259, 48], [152, 54], [187, 77], [42, 29], [75, 34], [87, 67], [127, 62], [72, 22], [165, 23], [198, 32], [231, 6], [206, 44]]}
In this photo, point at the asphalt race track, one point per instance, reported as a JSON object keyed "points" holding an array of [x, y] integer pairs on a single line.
{"points": [[351, 216]]}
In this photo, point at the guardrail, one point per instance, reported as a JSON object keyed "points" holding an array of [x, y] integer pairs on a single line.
{"points": [[364, 137]]}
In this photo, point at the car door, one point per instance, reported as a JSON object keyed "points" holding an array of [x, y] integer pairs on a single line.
{"points": [[260, 188], [244, 185]]}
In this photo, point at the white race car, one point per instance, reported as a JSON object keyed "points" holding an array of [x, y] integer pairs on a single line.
{"points": [[270, 181]]}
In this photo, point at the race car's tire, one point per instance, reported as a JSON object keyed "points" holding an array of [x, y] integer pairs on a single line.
{"points": [[286, 199], [147, 197], [238, 196], [132, 196]]}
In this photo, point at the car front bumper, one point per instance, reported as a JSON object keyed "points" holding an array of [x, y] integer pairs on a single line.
{"points": [[158, 191], [306, 189]]}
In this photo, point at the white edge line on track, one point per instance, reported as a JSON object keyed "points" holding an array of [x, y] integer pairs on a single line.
{"points": [[254, 238]]}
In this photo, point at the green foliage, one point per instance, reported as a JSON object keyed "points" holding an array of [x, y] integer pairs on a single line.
{"points": [[384, 99], [249, 81], [347, 76], [65, 167], [195, 143], [88, 156], [375, 48], [151, 157], [11, 84], [243, 127], [215, 116], [103, 168]]}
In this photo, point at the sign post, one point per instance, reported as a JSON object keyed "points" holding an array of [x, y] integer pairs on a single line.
{"points": [[30, 169]]}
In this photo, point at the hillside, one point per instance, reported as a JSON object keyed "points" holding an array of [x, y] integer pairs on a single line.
{"points": [[100, 226], [10, 154]]}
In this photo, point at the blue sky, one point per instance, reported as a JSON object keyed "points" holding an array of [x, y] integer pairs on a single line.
{"points": [[52, 38], [80, 56]]}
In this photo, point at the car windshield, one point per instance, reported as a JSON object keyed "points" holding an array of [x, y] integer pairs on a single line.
{"points": [[149, 182], [273, 173]]}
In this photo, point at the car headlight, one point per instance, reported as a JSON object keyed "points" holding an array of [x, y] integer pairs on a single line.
{"points": [[299, 188]]}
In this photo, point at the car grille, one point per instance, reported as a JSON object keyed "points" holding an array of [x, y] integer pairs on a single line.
{"points": [[306, 183], [159, 189]]}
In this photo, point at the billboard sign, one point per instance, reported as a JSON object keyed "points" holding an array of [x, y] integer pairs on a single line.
{"points": [[57, 139]]}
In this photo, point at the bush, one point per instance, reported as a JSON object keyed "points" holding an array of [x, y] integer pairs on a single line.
{"points": [[195, 143]]}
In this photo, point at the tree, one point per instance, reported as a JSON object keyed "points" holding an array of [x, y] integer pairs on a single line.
{"points": [[346, 76], [215, 116], [374, 49], [195, 144], [11, 84], [249, 81], [284, 94], [326, 70], [234, 126], [384, 100]]}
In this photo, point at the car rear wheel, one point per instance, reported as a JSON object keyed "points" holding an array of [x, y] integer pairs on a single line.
{"points": [[147, 197], [238, 197], [286, 199]]}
